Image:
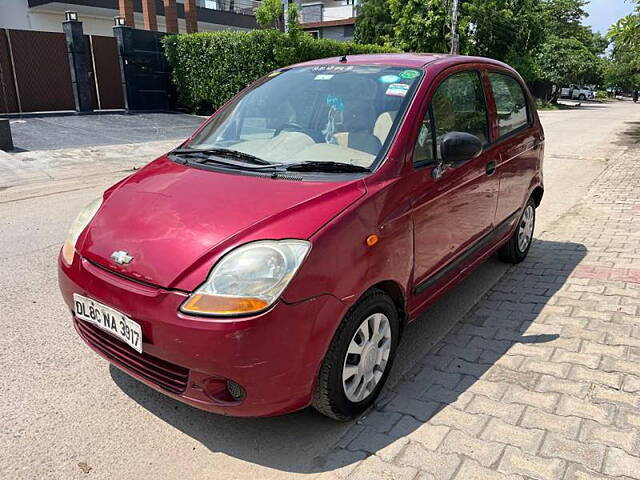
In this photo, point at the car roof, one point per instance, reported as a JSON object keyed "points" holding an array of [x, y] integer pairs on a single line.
{"points": [[414, 60]]}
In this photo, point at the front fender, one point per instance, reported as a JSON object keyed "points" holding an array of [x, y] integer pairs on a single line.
{"points": [[343, 265]]}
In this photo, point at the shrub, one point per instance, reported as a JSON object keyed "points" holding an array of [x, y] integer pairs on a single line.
{"points": [[209, 68]]}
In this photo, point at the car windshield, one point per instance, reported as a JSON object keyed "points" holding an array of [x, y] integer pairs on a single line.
{"points": [[321, 113]]}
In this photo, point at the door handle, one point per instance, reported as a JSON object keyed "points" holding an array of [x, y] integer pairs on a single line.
{"points": [[491, 167]]}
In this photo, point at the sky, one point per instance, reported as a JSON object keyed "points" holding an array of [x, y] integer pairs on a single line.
{"points": [[604, 13]]}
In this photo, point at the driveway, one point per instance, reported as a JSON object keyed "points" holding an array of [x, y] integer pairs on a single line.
{"points": [[66, 414], [75, 131]]}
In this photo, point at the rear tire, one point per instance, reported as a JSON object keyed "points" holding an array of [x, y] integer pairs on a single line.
{"points": [[359, 359], [518, 245]]}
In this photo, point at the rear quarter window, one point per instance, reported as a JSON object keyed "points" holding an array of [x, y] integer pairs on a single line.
{"points": [[511, 103]]}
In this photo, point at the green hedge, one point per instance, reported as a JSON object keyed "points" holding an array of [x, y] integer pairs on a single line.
{"points": [[209, 68]]}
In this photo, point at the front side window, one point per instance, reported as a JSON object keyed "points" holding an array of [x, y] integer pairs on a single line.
{"points": [[423, 152], [322, 113], [457, 106], [511, 103]]}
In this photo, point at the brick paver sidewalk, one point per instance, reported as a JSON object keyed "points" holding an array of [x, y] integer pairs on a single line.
{"points": [[542, 378]]}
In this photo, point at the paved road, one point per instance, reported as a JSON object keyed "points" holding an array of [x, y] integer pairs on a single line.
{"points": [[64, 411], [54, 132]]}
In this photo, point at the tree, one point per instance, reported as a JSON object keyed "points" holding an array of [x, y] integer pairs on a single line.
{"points": [[293, 20], [563, 18], [270, 14], [522, 33], [500, 28], [374, 23], [563, 61], [625, 33], [507, 30], [421, 25], [599, 43], [624, 69]]}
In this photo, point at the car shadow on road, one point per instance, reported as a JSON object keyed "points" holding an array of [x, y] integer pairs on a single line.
{"points": [[446, 356]]}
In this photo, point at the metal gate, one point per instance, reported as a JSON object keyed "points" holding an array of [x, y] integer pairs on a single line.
{"points": [[145, 69], [106, 72], [35, 75], [40, 70], [8, 96]]}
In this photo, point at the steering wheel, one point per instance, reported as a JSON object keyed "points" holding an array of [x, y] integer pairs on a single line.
{"points": [[294, 127]]}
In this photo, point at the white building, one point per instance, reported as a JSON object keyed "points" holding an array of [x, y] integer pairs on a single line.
{"points": [[329, 18], [97, 15]]}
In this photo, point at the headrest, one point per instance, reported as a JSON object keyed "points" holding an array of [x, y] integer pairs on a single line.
{"points": [[383, 125], [358, 116]]}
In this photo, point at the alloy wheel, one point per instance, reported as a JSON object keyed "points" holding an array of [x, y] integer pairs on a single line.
{"points": [[525, 230], [367, 357]]}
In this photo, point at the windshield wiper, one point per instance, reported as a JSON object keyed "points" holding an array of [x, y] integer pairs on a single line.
{"points": [[223, 152], [204, 155], [315, 166]]}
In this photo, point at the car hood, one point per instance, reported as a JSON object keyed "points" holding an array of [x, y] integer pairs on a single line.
{"points": [[175, 220]]}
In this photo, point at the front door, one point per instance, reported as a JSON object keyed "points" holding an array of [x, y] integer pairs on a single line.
{"points": [[451, 213]]}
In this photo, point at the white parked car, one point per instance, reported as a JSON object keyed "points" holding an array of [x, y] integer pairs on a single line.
{"points": [[576, 92]]}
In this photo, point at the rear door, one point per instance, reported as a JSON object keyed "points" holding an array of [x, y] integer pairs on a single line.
{"points": [[451, 212], [518, 142]]}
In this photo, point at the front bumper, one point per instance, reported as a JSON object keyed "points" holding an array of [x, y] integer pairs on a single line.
{"points": [[274, 356]]}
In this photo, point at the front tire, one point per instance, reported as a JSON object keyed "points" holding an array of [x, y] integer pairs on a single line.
{"points": [[518, 245], [359, 358]]}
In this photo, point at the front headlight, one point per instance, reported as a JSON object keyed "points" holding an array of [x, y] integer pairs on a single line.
{"points": [[248, 279], [78, 225]]}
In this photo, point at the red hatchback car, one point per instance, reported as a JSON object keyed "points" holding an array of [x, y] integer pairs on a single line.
{"points": [[273, 260]]}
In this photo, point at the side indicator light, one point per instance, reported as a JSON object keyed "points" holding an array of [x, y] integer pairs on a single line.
{"points": [[372, 240]]}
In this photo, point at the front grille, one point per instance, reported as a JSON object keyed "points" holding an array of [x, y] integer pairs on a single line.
{"points": [[168, 376]]}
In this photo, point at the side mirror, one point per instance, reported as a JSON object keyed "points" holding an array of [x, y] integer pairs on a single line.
{"points": [[457, 148]]}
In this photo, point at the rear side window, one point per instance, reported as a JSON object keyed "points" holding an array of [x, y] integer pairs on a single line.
{"points": [[511, 103]]}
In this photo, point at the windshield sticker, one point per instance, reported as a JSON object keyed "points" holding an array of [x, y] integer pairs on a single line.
{"points": [[332, 68], [323, 77], [389, 79], [397, 90], [274, 74], [409, 74]]}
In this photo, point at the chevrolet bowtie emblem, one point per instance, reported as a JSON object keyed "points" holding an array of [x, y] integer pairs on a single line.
{"points": [[121, 257]]}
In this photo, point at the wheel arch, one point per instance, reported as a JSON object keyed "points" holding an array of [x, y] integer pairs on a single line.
{"points": [[537, 195], [396, 293]]}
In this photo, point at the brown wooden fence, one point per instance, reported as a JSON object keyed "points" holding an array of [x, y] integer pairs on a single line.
{"points": [[35, 75]]}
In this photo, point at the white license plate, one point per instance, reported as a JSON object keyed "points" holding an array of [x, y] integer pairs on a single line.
{"points": [[109, 320]]}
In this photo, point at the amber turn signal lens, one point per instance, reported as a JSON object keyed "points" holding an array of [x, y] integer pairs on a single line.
{"points": [[372, 240], [68, 251], [219, 305]]}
